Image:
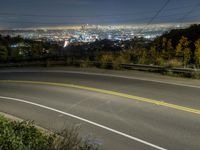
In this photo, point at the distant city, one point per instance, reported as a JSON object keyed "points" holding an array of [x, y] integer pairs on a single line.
{"points": [[90, 33]]}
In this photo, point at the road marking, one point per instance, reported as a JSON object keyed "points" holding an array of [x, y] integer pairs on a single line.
{"points": [[108, 75], [85, 120], [147, 100]]}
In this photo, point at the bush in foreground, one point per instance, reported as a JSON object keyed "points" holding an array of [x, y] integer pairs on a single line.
{"points": [[25, 136]]}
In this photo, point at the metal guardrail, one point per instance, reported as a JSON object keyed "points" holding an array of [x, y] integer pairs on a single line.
{"points": [[150, 68], [161, 69], [143, 67], [189, 72]]}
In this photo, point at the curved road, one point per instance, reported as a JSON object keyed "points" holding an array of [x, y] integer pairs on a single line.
{"points": [[121, 113]]}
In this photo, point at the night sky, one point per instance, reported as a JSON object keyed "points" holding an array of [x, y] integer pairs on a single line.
{"points": [[33, 13]]}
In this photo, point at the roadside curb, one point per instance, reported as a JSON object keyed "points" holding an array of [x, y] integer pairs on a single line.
{"points": [[14, 118]]}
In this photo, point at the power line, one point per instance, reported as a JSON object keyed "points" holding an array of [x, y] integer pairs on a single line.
{"points": [[135, 19], [159, 11], [155, 16], [151, 20], [91, 16], [189, 12]]}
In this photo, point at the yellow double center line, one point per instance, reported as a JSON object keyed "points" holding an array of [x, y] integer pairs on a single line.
{"points": [[147, 100]]}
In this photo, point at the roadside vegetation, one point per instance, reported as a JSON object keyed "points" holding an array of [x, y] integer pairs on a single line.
{"points": [[25, 136], [176, 48]]}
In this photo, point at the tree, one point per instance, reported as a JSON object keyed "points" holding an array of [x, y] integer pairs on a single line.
{"points": [[164, 45], [170, 49], [16, 54], [183, 50], [121, 58], [143, 56], [153, 54], [197, 52], [3, 53], [105, 59]]}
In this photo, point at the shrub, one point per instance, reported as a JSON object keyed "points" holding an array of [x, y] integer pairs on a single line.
{"points": [[22, 136], [69, 139], [86, 63], [25, 136], [196, 74], [106, 60], [174, 63]]}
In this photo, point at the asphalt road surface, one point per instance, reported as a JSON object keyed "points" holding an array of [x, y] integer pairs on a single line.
{"points": [[119, 113]]}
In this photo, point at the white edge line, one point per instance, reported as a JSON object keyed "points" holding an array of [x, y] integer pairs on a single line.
{"points": [[109, 75], [85, 120]]}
